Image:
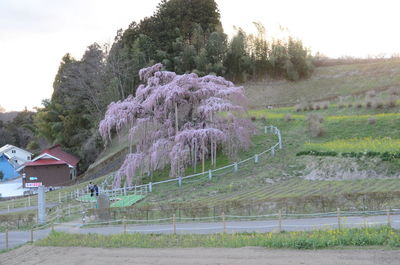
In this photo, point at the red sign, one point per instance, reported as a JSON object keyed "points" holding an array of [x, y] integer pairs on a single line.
{"points": [[33, 184]]}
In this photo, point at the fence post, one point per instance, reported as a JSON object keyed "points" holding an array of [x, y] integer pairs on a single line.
{"points": [[389, 218], [180, 181], [8, 206], [256, 158], [174, 223], [209, 174], [338, 218], [31, 235], [29, 201], [280, 220], [69, 210], [124, 190], [150, 187], [265, 129], [124, 223], [223, 220], [59, 197], [273, 151], [235, 167], [280, 140], [7, 239]]}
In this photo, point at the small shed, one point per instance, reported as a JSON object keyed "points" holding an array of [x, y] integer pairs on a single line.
{"points": [[53, 167]]}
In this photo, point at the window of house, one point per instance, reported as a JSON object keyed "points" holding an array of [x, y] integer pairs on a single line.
{"points": [[28, 158], [13, 151]]}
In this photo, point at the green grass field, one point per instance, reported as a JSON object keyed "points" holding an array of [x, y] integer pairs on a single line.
{"points": [[117, 201], [356, 237]]}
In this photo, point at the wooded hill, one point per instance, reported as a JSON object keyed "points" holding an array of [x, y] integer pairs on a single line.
{"points": [[185, 36]]}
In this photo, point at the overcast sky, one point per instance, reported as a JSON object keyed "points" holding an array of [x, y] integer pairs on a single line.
{"points": [[35, 34]]}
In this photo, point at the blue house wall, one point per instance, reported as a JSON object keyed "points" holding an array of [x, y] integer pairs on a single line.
{"points": [[8, 170]]}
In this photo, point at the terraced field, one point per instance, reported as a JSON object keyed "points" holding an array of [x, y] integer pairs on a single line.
{"points": [[280, 180]]}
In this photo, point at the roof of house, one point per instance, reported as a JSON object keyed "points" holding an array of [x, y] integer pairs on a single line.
{"points": [[53, 156], [10, 161], [46, 161], [57, 152], [7, 147]]}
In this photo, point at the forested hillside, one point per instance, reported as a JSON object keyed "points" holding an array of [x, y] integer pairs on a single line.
{"points": [[16, 128]]}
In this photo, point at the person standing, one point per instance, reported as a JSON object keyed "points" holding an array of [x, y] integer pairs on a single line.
{"points": [[96, 189], [91, 189]]}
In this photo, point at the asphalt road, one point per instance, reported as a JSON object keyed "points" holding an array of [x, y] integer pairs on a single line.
{"points": [[16, 238], [28, 208]]}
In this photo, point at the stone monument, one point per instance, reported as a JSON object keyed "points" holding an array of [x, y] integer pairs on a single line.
{"points": [[103, 207], [41, 205]]}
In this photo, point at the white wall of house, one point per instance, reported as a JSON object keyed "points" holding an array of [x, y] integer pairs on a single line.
{"points": [[18, 155]]}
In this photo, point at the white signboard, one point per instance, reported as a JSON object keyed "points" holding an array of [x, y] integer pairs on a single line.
{"points": [[33, 184]]}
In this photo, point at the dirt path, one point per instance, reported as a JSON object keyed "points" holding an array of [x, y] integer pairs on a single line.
{"points": [[97, 256]]}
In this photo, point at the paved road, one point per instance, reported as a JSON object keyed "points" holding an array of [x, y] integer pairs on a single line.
{"points": [[28, 208], [20, 237]]}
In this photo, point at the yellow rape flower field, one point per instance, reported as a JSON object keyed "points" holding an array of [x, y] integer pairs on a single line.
{"points": [[271, 114], [357, 145]]}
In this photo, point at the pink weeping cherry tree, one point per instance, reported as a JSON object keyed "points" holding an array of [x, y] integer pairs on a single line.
{"points": [[177, 121]]}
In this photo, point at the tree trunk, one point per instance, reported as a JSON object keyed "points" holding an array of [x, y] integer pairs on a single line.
{"points": [[130, 138], [176, 118], [215, 154], [212, 153], [202, 160], [195, 157]]}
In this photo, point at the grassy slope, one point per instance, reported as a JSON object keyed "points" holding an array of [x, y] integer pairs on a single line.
{"points": [[276, 179], [326, 82]]}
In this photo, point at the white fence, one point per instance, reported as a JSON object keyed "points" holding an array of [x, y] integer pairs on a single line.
{"points": [[207, 174]]}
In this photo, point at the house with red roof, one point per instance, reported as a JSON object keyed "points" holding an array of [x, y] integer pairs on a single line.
{"points": [[53, 167]]}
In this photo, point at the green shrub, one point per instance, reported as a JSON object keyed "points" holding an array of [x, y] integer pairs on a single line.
{"points": [[288, 117], [371, 120], [315, 125]]}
